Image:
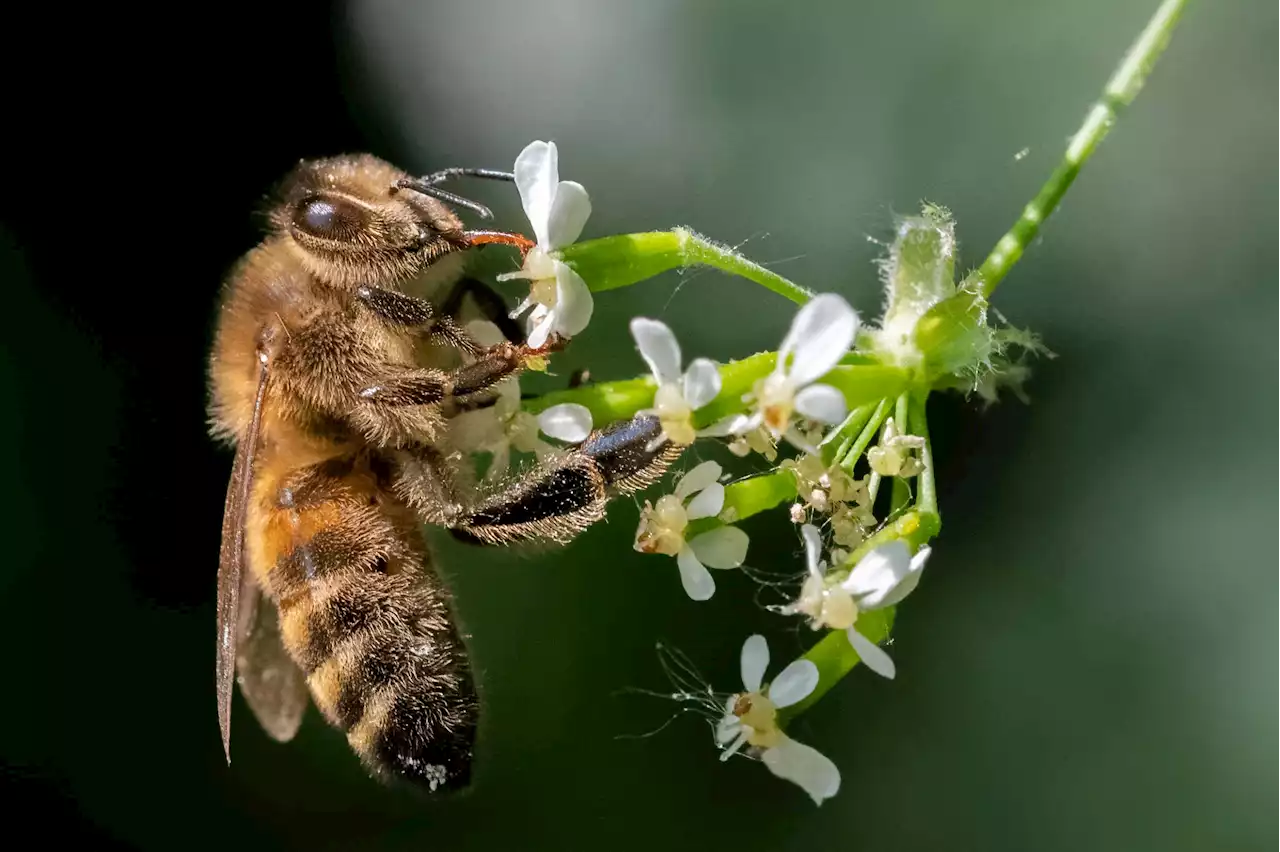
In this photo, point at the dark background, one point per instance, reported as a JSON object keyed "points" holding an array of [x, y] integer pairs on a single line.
{"points": [[1089, 662]]}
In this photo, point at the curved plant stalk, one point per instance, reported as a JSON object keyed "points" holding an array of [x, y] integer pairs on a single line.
{"points": [[833, 655], [624, 259], [871, 389], [1125, 84]]}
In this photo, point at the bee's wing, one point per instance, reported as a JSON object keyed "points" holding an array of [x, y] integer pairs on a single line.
{"points": [[231, 558], [270, 681]]}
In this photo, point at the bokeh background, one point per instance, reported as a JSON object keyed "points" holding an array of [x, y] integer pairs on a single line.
{"points": [[1088, 663]]}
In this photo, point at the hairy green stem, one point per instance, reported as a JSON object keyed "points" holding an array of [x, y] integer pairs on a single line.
{"points": [[1121, 89], [625, 259]]}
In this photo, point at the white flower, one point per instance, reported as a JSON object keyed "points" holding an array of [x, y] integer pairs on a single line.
{"points": [[820, 335], [751, 719], [882, 578], [759, 439], [662, 528], [678, 396], [505, 426], [893, 456], [557, 211], [567, 421]]}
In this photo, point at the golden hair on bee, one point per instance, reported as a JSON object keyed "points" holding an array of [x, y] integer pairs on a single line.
{"points": [[337, 387], [348, 219]]}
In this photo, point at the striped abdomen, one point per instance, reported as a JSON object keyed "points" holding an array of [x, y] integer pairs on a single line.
{"points": [[367, 620]]}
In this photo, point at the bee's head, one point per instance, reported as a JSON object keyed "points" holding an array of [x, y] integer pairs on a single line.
{"points": [[353, 225]]}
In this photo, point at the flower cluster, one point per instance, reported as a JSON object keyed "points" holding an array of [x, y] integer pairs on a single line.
{"points": [[829, 489], [827, 392], [798, 398]]}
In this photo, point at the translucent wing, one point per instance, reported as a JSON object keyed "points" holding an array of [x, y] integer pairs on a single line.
{"points": [[270, 681], [231, 558]]}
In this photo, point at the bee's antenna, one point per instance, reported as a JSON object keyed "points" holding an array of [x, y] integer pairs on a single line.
{"points": [[455, 172], [425, 187]]}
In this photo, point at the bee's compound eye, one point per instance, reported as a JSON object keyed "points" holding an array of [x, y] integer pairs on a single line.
{"points": [[329, 217], [319, 215]]}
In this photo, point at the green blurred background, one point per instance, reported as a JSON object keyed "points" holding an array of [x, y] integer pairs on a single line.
{"points": [[1088, 662]]}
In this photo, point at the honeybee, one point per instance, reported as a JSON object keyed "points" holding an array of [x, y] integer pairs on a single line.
{"points": [[337, 385]]}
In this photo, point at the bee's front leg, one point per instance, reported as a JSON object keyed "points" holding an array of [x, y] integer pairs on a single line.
{"points": [[405, 311]]}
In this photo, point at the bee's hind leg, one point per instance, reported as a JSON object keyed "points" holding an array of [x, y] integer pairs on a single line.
{"points": [[558, 500]]}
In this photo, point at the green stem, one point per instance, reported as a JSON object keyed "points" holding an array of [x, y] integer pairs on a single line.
{"points": [[901, 490], [607, 401], [843, 436], [1120, 91], [850, 457], [611, 401], [699, 250], [927, 500], [625, 259]]}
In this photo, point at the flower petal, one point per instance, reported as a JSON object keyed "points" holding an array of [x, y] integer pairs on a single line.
{"points": [[701, 383], [499, 464], [734, 424], [822, 403], [795, 439], [728, 727], [540, 329], [812, 549], [567, 421], [485, 333], [722, 547], [476, 430], [537, 174], [794, 684], [694, 576], [707, 504], [820, 335], [697, 479], [878, 573], [658, 347], [803, 765], [508, 391], [574, 302], [570, 210], [907, 584], [738, 743], [871, 654], [755, 659]]}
